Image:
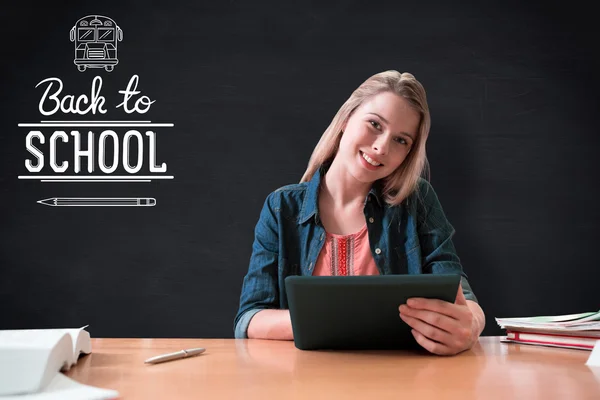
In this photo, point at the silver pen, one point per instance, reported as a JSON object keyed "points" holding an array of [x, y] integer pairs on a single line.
{"points": [[175, 356]]}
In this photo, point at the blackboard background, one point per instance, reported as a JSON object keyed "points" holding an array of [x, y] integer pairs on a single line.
{"points": [[250, 87]]}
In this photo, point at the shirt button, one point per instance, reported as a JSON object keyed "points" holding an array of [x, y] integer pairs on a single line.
{"points": [[310, 266], [378, 251], [371, 220], [322, 236]]}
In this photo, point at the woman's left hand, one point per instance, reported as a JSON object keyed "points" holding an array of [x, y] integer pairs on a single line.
{"points": [[439, 326]]}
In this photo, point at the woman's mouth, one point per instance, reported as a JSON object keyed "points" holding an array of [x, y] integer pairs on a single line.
{"points": [[369, 162]]}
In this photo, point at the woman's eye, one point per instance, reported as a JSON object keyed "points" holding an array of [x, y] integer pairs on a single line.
{"points": [[375, 124], [401, 140]]}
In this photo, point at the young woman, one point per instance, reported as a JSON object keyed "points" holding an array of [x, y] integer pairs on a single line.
{"points": [[363, 207]]}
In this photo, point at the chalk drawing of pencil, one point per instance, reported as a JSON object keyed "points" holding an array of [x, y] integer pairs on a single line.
{"points": [[99, 202]]}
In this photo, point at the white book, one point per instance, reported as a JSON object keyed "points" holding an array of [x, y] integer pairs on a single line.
{"points": [[30, 360]]}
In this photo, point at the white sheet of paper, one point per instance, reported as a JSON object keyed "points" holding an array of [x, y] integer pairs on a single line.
{"points": [[64, 388], [594, 359]]}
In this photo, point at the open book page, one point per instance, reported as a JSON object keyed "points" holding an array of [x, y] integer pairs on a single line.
{"points": [[64, 388], [81, 340], [46, 339], [30, 358], [31, 338]]}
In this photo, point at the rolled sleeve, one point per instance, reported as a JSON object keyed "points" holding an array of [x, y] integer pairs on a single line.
{"points": [[435, 236], [241, 327]]}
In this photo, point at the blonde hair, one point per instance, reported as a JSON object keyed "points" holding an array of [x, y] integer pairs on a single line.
{"points": [[404, 180]]}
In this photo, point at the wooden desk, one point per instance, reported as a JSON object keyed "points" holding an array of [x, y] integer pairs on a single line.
{"points": [[260, 369]]}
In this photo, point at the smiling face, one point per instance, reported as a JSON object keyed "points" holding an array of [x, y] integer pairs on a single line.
{"points": [[377, 137]]}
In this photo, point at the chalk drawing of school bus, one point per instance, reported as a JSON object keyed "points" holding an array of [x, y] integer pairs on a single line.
{"points": [[96, 39]]}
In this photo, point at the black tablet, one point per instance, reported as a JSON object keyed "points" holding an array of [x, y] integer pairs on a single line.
{"points": [[359, 312]]}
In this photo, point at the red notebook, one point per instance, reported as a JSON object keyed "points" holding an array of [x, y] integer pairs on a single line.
{"points": [[549, 339]]}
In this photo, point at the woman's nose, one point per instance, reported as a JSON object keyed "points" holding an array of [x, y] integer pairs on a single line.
{"points": [[381, 145]]}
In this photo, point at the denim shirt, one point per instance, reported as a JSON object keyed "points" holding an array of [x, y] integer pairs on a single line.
{"points": [[413, 237]]}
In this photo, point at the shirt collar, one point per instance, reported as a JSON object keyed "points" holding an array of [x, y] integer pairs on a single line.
{"points": [[310, 205]]}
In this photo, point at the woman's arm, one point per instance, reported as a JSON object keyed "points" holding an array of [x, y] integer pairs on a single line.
{"points": [[441, 327], [478, 317], [271, 324], [260, 289], [435, 238]]}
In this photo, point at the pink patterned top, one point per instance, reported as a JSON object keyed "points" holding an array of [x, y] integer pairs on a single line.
{"points": [[346, 255]]}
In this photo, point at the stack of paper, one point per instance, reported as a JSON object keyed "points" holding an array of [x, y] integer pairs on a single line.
{"points": [[579, 331]]}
